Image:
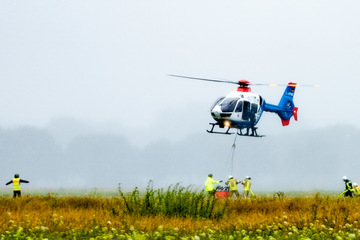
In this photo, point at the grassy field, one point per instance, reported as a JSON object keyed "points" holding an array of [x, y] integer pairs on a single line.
{"points": [[178, 213]]}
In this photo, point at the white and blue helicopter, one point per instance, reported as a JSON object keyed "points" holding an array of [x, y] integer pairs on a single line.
{"points": [[242, 109]]}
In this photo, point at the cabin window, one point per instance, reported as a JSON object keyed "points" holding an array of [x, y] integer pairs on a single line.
{"points": [[239, 107]]}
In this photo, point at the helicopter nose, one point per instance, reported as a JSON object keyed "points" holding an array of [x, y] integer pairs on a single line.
{"points": [[216, 112]]}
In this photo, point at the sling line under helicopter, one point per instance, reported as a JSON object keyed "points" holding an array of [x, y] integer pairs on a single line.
{"points": [[232, 150]]}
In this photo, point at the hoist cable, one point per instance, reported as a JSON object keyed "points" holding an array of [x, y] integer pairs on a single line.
{"points": [[232, 154]]}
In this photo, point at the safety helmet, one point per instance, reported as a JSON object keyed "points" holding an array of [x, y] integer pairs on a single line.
{"points": [[230, 177], [345, 178], [354, 184], [247, 177]]}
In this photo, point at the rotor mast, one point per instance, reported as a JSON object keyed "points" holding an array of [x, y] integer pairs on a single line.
{"points": [[244, 86]]}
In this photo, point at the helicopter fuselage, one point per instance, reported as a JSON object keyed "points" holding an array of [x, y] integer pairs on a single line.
{"points": [[243, 109], [238, 110]]}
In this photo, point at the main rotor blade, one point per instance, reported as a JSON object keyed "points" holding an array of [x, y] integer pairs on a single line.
{"points": [[270, 84], [205, 79], [315, 85], [282, 85], [237, 83]]}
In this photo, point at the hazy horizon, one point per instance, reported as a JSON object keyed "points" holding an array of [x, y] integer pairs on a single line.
{"points": [[292, 161]]}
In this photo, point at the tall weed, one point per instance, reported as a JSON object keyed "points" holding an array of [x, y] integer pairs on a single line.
{"points": [[175, 201]]}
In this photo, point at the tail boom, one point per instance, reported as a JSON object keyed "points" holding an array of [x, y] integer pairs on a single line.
{"points": [[286, 107]]}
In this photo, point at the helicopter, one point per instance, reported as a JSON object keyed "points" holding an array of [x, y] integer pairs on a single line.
{"points": [[243, 108]]}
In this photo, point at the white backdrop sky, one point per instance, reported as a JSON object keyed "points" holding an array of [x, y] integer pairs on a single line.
{"points": [[105, 63]]}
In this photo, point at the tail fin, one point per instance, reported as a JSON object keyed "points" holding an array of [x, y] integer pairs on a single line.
{"points": [[286, 107]]}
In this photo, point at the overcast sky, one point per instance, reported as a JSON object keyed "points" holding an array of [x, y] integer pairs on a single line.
{"points": [[105, 63], [108, 61]]}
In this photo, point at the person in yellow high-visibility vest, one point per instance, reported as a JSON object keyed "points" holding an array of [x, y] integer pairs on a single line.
{"points": [[232, 182], [356, 190], [16, 185], [247, 185], [209, 185], [349, 190]]}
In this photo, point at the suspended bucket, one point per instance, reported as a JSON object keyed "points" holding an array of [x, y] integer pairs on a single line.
{"points": [[222, 194]]}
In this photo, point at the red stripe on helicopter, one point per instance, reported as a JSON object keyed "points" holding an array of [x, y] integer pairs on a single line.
{"points": [[285, 122]]}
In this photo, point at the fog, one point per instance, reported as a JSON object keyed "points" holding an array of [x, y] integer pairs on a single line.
{"points": [[86, 100], [306, 160]]}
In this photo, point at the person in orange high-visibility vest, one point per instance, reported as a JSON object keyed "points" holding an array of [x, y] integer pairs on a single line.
{"points": [[16, 185], [232, 182]]}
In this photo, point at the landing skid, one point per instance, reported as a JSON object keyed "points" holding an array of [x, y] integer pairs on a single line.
{"points": [[250, 135], [239, 131], [247, 134], [212, 130]]}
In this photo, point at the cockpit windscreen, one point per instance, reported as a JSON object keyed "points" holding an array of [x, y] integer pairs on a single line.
{"points": [[228, 104]]}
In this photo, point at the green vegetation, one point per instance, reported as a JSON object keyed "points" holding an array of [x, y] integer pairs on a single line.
{"points": [[176, 201], [178, 213]]}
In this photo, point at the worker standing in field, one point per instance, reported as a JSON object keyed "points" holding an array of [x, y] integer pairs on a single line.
{"points": [[209, 185], [349, 190], [356, 190], [232, 182], [16, 185], [247, 185]]}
